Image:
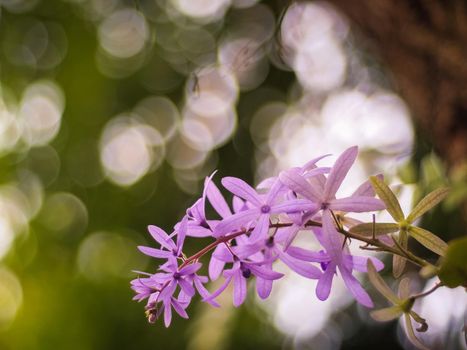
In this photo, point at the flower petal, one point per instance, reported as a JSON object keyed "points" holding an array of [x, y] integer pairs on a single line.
{"points": [[294, 206], [194, 230], [161, 237], [167, 313], [186, 287], [354, 286], [297, 183], [190, 269], [223, 254], [155, 253], [263, 287], [356, 204], [300, 267], [339, 171], [307, 255], [181, 234], [235, 222], [217, 200], [331, 239], [215, 268], [325, 281], [264, 273], [366, 189], [204, 292], [274, 191], [359, 263], [261, 229], [239, 293], [241, 189], [178, 308]]}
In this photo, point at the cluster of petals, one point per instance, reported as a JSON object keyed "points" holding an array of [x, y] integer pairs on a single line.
{"points": [[253, 232]]}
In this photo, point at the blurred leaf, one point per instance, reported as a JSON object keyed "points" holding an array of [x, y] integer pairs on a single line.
{"points": [[407, 173], [398, 262], [428, 202], [379, 228], [429, 240], [411, 333], [378, 282], [388, 197], [387, 314], [433, 171], [453, 271], [428, 271]]}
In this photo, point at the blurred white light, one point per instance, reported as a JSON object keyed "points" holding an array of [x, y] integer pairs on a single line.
{"points": [[11, 297], [7, 235], [129, 149], [41, 112], [104, 255], [64, 213], [18, 6], [196, 134], [378, 121], [203, 10], [445, 311], [124, 33], [293, 304], [160, 113], [220, 127], [211, 91], [10, 131], [305, 23], [182, 156], [320, 64], [244, 58]]}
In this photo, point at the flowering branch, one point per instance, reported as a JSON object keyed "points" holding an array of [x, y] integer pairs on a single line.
{"points": [[260, 228]]}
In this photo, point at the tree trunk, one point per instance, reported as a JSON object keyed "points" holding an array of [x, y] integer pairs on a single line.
{"points": [[424, 44]]}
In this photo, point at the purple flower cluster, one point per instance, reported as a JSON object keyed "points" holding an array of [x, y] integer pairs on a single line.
{"points": [[258, 229]]}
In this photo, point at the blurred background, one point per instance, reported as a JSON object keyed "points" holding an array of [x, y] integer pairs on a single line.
{"points": [[112, 112]]}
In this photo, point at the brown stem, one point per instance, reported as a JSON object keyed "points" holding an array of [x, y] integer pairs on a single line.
{"points": [[311, 223]]}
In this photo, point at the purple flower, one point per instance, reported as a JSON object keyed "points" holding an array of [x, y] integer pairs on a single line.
{"points": [[239, 273], [262, 208], [325, 194], [169, 247], [332, 240]]}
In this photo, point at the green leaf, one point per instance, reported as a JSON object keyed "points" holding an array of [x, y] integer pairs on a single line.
{"points": [[404, 288], [429, 240], [428, 202], [398, 262], [388, 197], [453, 270], [387, 314], [429, 271], [380, 284], [379, 228], [411, 334]]}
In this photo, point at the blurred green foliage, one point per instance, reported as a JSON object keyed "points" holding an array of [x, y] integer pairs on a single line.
{"points": [[74, 277]]}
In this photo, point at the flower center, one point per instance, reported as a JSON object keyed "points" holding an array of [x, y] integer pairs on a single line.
{"points": [[270, 242], [176, 276], [265, 209], [246, 273], [324, 206]]}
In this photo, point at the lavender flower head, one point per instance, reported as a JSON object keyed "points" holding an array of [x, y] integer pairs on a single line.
{"points": [[253, 232]]}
